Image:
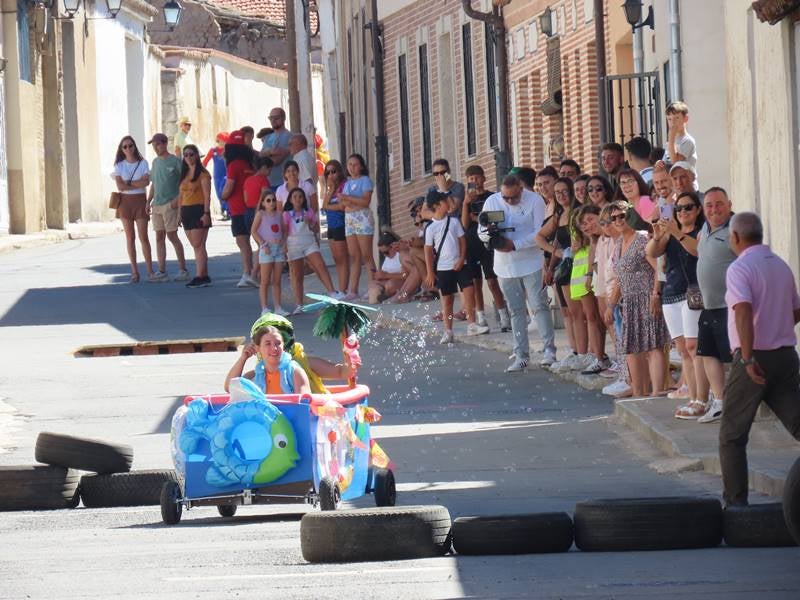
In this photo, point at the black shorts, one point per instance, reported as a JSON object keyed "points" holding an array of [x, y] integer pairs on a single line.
{"points": [[191, 215], [712, 335], [451, 281], [249, 217], [239, 226], [482, 267], [336, 234]]}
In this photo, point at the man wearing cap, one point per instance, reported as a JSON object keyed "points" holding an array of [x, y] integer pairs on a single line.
{"points": [[182, 136], [276, 146], [162, 204], [684, 178]]}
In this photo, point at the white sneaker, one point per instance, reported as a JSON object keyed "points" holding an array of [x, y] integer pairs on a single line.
{"points": [[337, 295], [250, 281], [505, 320], [181, 276], [682, 393], [447, 338], [713, 413], [349, 296], [475, 329], [597, 366], [280, 312], [517, 365], [611, 372], [582, 361], [158, 277], [298, 310], [548, 359], [480, 318], [243, 283], [561, 366], [617, 389]]}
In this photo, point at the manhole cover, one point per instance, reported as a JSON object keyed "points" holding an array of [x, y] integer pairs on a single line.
{"points": [[160, 347]]}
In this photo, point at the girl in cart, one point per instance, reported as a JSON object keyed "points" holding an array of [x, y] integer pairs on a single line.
{"points": [[275, 372]]}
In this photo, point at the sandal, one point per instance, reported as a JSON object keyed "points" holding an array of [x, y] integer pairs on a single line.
{"points": [[691, 411], [460, 316], [437, 317], [134, 278]]}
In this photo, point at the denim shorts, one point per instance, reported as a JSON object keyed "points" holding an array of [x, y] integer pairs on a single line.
{"points": [[271, 253]]}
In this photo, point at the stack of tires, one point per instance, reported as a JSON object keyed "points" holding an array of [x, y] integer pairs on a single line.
{"points": [[58, 483]]}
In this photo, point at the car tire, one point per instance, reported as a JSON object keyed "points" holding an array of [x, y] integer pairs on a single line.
{"points": [[791, 501], [648, 524], [38, 487], [330, 497], [227, 510], [171, 508], [375, 534], [513, 534], [83, 454], [756, 526], [384, 488], [136, 488]]}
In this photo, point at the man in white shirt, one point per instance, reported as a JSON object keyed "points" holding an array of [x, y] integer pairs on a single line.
{"points": [[298, 146], [518, 262]]}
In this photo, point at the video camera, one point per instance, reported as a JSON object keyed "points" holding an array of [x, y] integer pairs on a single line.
{"points": [[491, 233]]}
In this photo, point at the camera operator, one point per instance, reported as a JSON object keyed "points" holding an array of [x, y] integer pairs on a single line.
{"points": [[480, 260], [518, 263]]}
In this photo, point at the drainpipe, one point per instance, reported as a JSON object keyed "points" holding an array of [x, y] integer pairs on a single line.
{"points": [[676, 69], [600, 51], [381, 143], [503, 157]]}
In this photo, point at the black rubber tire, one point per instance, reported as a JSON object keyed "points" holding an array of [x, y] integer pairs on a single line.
{"points": [[171, 510], [330, 497], [85, 454], [38, 487], [648, 524], [227, 510], [375, 534], [513, 534], [136, 488], [756, 526], [385, 490], [791, 501]]}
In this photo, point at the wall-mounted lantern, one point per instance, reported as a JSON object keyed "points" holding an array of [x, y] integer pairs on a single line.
{"points": [[546, 22], [71, 8], [633, 13], [172, 14]]}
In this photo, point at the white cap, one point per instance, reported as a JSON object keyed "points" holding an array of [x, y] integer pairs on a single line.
{"points": [[685, 165]]}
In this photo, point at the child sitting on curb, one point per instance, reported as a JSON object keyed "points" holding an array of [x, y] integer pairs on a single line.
{"points": [[445, 254]]}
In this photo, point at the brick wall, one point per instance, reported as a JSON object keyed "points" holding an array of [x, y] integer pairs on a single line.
{"points": [[406, 29]]}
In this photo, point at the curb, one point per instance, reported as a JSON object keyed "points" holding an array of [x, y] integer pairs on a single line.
{"points": [[74, 231]]}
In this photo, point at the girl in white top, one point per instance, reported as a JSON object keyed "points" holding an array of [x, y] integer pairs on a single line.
{"points": [[269, 232], [132, 176], [302, 227], [291, 178]]}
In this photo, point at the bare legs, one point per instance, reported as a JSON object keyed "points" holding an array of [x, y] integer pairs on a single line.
{"points": [[360, 249], [161, 249], [130, 242], [245, 252], [578, 322], [197, 238], [270, 276], [594, 326], [342, 262]]}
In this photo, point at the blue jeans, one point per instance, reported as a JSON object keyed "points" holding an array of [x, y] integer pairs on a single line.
{"points": [[516, 290]]}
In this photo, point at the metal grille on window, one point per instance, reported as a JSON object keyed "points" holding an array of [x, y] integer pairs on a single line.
{"points": [[552, 101]]}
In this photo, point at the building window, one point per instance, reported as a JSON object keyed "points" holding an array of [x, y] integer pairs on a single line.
{"points": [[405, 132], [227, 94], [574, 15], [425, 108], [519, 43], [23, 36], [469, 91], [667, 83], [214, 84], [533, 36], [198, 89], [491, 84]]}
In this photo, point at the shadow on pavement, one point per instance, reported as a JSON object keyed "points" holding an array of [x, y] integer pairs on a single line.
{"points": [[221, 521]]}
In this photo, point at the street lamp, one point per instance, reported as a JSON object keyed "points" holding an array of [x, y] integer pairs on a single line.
{"points": [[546, 22], [172, 14], [114, 6], [71, 8], [633, 13]]}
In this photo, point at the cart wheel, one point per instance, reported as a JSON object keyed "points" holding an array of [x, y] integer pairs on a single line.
{"points": [[329, 494], [227, 510], [171, 506], [384, 488]]}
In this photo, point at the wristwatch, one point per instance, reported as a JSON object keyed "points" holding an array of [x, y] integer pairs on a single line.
{"points": [[749, 361]]}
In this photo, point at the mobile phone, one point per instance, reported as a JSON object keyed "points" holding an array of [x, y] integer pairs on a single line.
{"points": [[666, 211], [470, 186]]}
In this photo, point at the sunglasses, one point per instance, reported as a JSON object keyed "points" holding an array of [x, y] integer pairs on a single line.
{"points": [[268, 200], [684, 207], [618, 218], [437, 173], [128, 146], [594, 188], [507, 198], [188, 154], [603, 222], [273, 117], [331, 172]]}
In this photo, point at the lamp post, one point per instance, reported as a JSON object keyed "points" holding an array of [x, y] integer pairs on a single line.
{"points": [[172, 14], [633, 13], [546, 22], [71, 7]]}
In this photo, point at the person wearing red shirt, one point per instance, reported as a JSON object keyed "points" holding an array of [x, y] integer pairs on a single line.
{"points": [[253, 187], [238, 156]]}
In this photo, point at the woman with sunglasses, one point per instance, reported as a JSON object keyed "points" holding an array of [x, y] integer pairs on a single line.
{"points": [[599, 191], [132, 176], [676, 238], [644, 332], [333, 184], [195, 207]]}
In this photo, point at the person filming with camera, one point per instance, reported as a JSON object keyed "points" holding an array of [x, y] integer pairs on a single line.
{"points": [[508, 225]]}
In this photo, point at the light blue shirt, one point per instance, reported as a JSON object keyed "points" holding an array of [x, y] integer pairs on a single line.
{"points": [[358, 187], [277, 140]]}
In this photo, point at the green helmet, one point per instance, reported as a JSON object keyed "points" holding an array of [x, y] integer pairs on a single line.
{"points": [[280, 323]]}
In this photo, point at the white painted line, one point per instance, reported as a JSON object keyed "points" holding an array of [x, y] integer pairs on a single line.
{"points": [[307, 574], [438, 486]]}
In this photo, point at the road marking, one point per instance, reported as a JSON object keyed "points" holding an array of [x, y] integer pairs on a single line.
{"points": [[438, 486], [305, 574], [427, 429]]}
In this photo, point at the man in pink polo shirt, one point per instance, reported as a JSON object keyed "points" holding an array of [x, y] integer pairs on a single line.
{"points": [[763, 308]]}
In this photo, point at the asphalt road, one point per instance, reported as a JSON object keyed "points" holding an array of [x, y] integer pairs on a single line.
{"points": [[462, 433]]}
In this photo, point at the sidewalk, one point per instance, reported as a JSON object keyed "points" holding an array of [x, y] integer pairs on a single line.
{"points": [[693, 446], [74, 231]]}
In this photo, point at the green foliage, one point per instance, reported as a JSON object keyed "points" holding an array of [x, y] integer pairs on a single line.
{"points": [[338, 318]]}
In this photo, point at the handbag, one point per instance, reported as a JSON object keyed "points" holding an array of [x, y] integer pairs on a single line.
{"points": [[116, 197], [694, 297], [563, 273]]}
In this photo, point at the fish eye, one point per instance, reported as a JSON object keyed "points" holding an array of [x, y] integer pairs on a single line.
{"points": [[281, 441]]}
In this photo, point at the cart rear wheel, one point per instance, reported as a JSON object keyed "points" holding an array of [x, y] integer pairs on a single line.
{"points": [[227, 510], [329, 494], [384, 488], [171, 507]]}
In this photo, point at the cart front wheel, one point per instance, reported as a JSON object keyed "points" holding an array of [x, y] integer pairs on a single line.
{"points": [[171, 507], [384, 488], [329, 494], [227, 510]]}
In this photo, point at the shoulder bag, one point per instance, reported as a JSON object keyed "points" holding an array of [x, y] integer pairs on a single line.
{"points": [[694, 298], [438, 250], [563, 272], [116, 197]]}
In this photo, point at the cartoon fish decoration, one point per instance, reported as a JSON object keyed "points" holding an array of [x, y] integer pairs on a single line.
{"points": [[283, 455]]}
